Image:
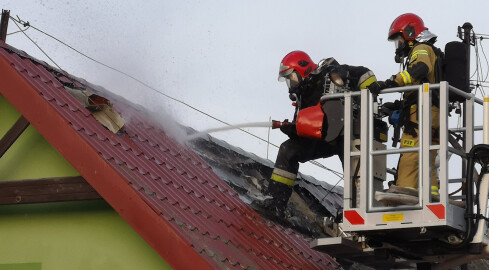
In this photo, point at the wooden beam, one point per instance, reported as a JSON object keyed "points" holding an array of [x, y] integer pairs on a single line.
{"points": [[46, 190], [11, 136]]}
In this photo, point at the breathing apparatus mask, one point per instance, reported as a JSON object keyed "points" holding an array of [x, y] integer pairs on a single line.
{"points": [[294, 83], [402, 48], [293, 80]]}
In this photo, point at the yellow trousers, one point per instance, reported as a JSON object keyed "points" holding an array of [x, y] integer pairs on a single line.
{"points": [[407, 171]]}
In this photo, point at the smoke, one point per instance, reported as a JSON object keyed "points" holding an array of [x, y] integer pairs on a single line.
{"points": [[171, 128]]}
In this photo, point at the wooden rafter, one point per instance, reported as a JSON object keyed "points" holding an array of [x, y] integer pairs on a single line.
{"points": [[46, 190], [11, 136]]}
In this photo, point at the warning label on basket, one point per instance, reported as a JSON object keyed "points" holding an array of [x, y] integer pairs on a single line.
{"points": [[393, 217]]}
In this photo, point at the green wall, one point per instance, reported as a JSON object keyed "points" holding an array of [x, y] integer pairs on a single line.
{"points": [[59, 236], [31, 156], [71, 235]]}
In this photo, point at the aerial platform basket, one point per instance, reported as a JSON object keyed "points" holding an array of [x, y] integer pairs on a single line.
{"points": [[428, 229]]}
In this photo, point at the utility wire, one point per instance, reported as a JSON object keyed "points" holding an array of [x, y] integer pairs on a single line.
{"points": [[35, 43], [28, 25], [123, 73], [485, 57], [18, 31]]}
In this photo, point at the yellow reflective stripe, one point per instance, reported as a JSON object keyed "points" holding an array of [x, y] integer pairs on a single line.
{"points": [[415, 54], [406, 77], [284, 173], [403, 78], [367, 82], [423, 52], [434, 190], [283, 180]]}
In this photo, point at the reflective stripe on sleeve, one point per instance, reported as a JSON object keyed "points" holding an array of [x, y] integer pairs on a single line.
{"points": [[366, 82], [406, 77]]}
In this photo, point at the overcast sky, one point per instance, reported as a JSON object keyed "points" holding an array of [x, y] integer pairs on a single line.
{"points": [[222, 57]]}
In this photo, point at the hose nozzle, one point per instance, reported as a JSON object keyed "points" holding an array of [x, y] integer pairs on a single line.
{"points": [[278, 124]]}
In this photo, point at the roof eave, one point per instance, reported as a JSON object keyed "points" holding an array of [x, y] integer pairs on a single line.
{"points": [[157, 231]]}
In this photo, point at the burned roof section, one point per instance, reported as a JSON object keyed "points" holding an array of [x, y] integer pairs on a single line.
{"points": [[312, 202]]}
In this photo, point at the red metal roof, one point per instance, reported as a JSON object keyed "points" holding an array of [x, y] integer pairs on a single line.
{"points": [[165, 191]]}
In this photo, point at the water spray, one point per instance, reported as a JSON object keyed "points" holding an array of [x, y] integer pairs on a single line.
{"points": [[273, 124]]}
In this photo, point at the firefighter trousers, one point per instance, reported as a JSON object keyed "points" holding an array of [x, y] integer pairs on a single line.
{"points": [[293, 151], [408, 168]]}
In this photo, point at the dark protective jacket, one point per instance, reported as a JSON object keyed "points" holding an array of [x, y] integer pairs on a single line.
{"points": [[311, 90], [301, 149]]}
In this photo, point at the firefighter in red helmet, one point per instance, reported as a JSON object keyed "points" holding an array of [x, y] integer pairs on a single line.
{"points": [[415, 49], [307, 83]]}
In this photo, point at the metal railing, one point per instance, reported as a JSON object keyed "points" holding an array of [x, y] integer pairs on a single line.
{"points": [[367, 153]]}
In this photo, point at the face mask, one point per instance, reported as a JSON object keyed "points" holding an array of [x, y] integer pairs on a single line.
{"points": [[401, 49], [293, 80]]}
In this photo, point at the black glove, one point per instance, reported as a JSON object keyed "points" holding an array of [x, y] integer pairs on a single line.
{"points": [[396, 105], [390, 82], [388, 107], [289, 130], [375, 87]]}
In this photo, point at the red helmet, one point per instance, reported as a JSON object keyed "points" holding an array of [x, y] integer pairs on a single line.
{"points": [[296, 61], [409, 25]]}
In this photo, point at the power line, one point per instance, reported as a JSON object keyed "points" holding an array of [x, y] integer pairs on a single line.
{"points": [[121, 72], [18, 31], [28, 25], [35, 43]]}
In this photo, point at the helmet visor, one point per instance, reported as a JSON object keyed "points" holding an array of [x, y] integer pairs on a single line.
{"points": [[292, 80], [398, 43], [398, 40], [284, 71]]}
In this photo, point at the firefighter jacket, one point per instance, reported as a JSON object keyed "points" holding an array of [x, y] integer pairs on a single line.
{"points": [[356, 78], [421, 68]]}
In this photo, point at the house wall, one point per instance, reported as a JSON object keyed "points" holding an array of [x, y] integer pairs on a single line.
{"points": [[71, 235], [58, 236], [31, 156]]}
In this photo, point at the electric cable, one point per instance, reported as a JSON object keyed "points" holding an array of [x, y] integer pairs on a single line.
{"points": [[23, 31], [477, 66], [481, 79], [125, 74], [35, 43], [121, 72], [485, 57], [28, 25], [15, 32]]}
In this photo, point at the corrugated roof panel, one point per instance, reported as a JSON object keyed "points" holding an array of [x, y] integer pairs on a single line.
{"points": [[177, 184], [192, 182], [225, 220]]}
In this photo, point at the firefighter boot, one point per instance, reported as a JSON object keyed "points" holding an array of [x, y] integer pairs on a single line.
{"points": [[280, 196]]}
